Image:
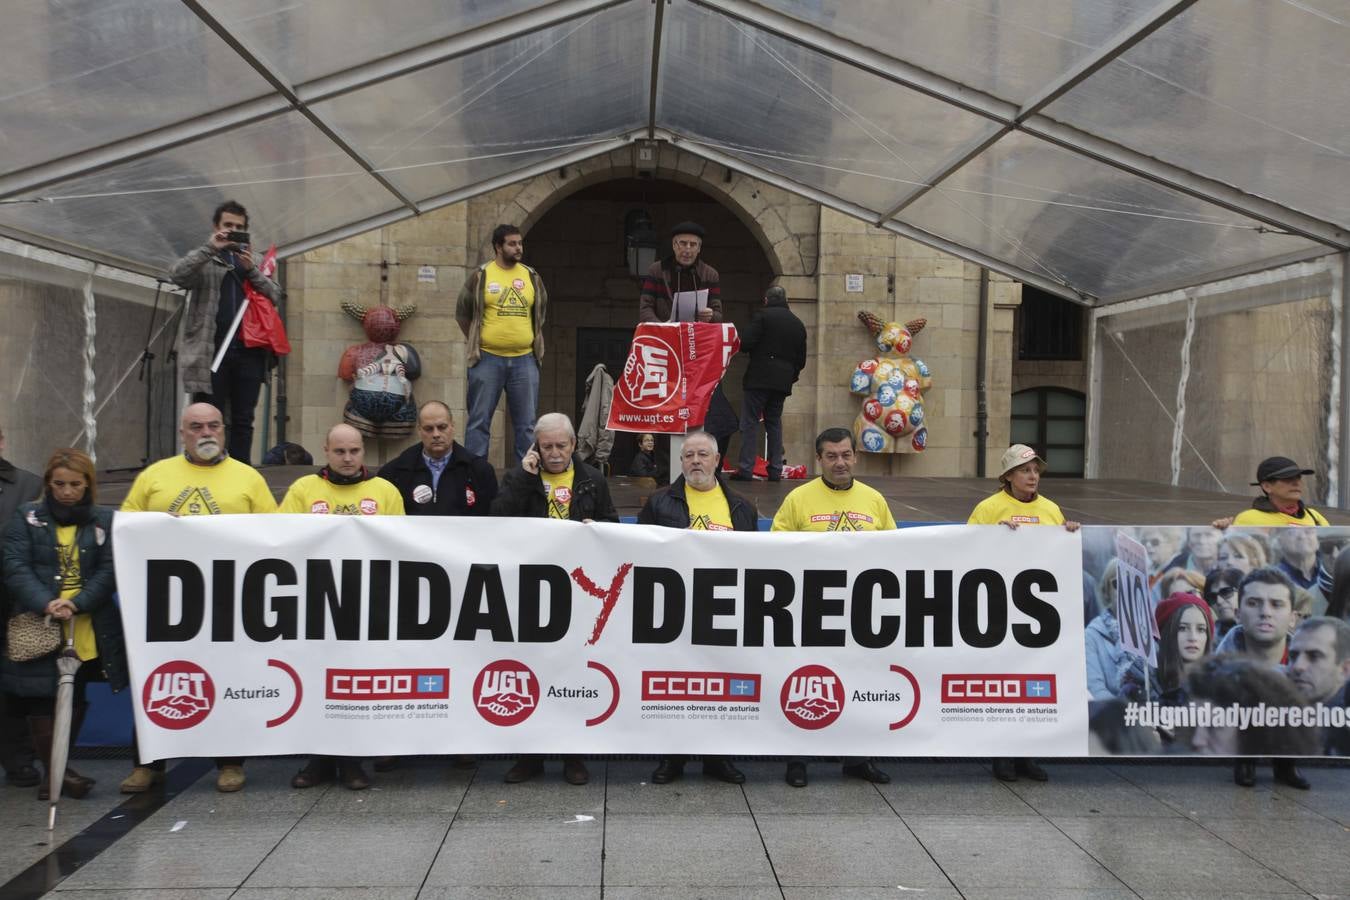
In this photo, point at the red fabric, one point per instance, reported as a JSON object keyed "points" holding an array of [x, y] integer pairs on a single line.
{"points": [[262, 323], [671, 372]]}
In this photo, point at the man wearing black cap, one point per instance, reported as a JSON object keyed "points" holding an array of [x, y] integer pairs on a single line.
{"points": [[683, 270], [1281, 500]]}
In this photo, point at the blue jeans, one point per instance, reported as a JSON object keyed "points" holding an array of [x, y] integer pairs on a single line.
{"points": [[519, 375]]}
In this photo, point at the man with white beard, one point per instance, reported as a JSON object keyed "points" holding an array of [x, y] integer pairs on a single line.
{"points": [[700, 501], [202, 481]]}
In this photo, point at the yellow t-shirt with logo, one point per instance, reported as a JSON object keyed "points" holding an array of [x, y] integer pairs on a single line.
{"points": [[174, 485], [316, 494], [68, 558], [815, 506], [1003, 506], [708, 510], [559, 488], [508, 297], [1262, 518]]}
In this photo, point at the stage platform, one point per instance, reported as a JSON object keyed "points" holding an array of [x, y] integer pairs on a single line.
{"points": [[917, 500]]}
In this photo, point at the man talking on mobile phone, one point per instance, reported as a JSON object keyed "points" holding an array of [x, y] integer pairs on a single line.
{"points": [[214, 275]]}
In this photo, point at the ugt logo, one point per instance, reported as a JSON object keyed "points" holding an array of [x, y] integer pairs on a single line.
{"points": [[652, 372], [506, 692], [812, 697], [178, 695]]}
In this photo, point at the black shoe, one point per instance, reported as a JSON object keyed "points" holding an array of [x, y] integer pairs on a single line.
{"points": [[1005, 769], [1287, 773], [461, 761], [775, 476], [796, 774], [1244, 772], [667, 770], [1029, 768], [574, 770], [23, 776], [742, 476], [319, 770], [353, 777], [867, 771], [723, 770], [385, 763], [524, 770]]}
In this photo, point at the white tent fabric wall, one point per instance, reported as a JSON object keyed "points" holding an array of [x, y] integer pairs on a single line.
{"points": [[1110, 149], [1278, 395]]}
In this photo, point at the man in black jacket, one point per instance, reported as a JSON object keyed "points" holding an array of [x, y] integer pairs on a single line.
{"points": [[439, 477], [552, 482], [776, 342], [699, 500]]}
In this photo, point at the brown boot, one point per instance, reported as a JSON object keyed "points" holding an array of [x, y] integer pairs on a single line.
{"points": [[73, 785]]}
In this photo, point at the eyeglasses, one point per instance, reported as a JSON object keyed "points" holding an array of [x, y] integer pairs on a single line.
{"points": [[1225, 592]]}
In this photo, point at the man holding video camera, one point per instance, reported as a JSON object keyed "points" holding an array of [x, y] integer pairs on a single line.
{"points": [[214, 275]]}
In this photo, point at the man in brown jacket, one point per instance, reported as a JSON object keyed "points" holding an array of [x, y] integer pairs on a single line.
{"points": [[683, 270]]}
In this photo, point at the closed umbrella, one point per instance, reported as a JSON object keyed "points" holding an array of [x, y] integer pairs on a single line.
{"points": [[66, 665]]}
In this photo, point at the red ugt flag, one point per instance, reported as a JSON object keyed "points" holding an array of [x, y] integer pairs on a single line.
{"points": [[671, 372]]}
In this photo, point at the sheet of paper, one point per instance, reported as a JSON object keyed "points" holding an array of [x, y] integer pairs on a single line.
{"points": [[686, 305]]}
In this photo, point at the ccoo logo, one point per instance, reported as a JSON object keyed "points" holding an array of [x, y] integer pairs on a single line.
{"points": [[506, 692], [178, 695], [812, 697]]}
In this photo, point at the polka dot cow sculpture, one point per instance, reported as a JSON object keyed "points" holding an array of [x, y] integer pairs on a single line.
{"points": [[892, 416]]}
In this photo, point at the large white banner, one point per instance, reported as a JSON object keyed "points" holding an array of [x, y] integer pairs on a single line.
{"points": [[362, 636]]}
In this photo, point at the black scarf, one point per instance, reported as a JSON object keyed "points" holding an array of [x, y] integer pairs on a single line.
{"points": [[332, 477], [81, 513]]}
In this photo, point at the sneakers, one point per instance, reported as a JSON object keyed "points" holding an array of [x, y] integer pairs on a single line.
{"points": [[141, 779], [230, 779]]}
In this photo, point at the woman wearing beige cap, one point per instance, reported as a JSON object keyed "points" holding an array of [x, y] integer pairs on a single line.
{"points": [[1018, 502]]}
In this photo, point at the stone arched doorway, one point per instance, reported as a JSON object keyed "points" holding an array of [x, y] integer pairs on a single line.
{"points": [[578, 248]]}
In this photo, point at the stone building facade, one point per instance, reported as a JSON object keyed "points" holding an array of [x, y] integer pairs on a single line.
{"points": [[758, 235]]}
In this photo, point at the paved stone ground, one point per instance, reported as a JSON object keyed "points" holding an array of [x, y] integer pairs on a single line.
{"points": [[941, 830]]}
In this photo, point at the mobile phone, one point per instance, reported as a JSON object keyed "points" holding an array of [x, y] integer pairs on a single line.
{"points": [[238, 238]]}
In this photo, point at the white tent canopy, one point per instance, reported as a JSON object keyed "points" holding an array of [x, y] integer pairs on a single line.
{"points": [[1099, 149]]}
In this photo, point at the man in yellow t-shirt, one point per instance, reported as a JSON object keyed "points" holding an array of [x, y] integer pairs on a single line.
{"points": [[699, 500], [501, 312], [1281, 502], [203, 481], [1018, 502], [343, 487], [835, 502]]}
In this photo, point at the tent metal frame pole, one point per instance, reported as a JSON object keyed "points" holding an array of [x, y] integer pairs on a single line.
{"points": [[907, 75], [446, 199], [1121, 43], [281, 86], [858, 212], [1343, 463], [657, 27], [175, 134]]}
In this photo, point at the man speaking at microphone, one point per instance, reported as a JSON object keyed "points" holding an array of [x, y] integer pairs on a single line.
{"points": [[214, 275]]}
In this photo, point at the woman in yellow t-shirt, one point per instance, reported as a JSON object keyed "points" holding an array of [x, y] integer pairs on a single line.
{"points": [[58, 562], [1018, 502]]}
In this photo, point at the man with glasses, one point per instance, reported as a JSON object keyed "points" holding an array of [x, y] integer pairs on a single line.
{"points": [[684, 270], [699, 500]]}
